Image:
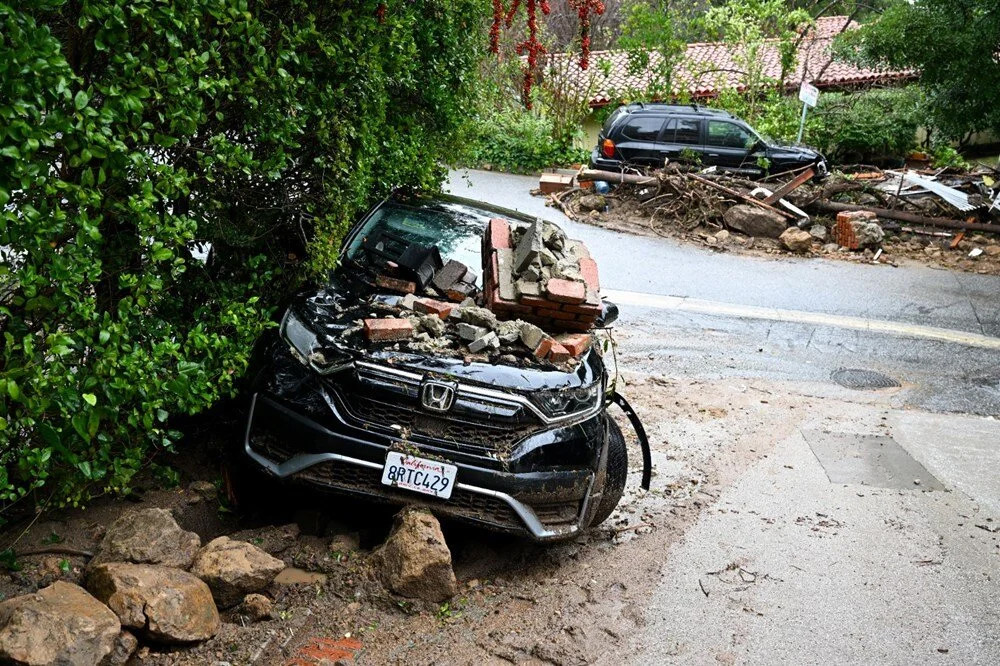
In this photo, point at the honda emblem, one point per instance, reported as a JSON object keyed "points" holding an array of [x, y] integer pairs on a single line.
{"points": [[437, 396]]}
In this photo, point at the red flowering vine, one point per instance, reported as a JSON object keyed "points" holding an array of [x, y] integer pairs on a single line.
{"points": [[584, 8], [532, 47]]}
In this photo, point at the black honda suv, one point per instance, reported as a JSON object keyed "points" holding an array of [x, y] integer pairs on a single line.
{"points": [[648, 135], [520, 447]]}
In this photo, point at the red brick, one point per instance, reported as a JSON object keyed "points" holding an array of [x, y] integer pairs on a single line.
{"points": [[431, 306], [588, 267], [544, 347], [558, 353], [592, 310], [856, 215], [498, 234], [580, 326], [535, 302], [383, 330], [575, 343], [395, 284], [566, 291], [555, 314], [586, 317]]}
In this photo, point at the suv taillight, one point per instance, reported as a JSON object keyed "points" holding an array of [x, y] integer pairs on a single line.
{"points": [[608, 148]]}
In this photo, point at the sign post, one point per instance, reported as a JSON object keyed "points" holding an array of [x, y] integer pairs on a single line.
{"points": [[809, 94]]}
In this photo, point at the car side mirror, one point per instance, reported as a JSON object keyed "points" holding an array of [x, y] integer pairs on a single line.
{"points": [[608, 316]]}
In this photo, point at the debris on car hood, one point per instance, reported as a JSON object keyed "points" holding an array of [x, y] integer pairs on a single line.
{"points": [[537, 307]]}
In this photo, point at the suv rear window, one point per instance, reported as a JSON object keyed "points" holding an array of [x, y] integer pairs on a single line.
{"points": [[643, 128]]}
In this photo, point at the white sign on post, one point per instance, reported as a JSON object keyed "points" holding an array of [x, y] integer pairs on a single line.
{"points": [[809, 94]]}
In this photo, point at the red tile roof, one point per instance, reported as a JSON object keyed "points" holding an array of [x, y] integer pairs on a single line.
{"points": [[708, 67]]}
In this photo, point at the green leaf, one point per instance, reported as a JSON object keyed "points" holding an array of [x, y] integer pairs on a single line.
{"points": [[80, 100], [90, 399], [103, 337]]}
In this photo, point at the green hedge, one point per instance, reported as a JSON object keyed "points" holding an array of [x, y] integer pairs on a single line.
{"points": [[519, 141], [130, 129]]}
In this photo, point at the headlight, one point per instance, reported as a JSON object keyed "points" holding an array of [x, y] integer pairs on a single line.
{"points": [[305, 346], [562, 402]]}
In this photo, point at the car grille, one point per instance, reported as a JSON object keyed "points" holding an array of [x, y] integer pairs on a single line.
{"points": [[481, 437], [480, 426]]}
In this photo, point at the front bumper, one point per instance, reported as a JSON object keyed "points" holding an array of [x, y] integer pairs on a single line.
{"points": [[545, 502]]}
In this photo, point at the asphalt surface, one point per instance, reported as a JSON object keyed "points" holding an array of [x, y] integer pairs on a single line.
{"points": [[882, 549]]}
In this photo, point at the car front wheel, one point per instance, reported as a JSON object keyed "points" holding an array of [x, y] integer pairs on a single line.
{"points": [[617, 473]]}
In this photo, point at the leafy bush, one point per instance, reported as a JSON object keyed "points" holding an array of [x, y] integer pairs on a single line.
{"points": [[870, 126], [519, 141], [130, 129]]}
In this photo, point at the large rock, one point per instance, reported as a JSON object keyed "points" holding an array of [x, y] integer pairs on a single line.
{"points": [[165, 604], [592, 202], [60, 624], [234, 569], [796, 240], [125, 646], [754, 221], [415, 561], [149, 536]]}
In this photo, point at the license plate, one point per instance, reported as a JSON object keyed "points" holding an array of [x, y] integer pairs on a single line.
{"points": [[419, 474]]}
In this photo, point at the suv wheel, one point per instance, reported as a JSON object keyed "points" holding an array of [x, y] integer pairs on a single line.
{"points": [[617, 473]]}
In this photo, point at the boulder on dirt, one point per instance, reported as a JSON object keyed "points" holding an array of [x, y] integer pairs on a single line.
{"points": [[415, 561], [149, 536], [164, 604], [234, 569], [754, 221], [796, 240], [60, 624], [256, 607], [125, 646], [592, 202]]}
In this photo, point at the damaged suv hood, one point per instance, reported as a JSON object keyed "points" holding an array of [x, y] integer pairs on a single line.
{"points": [[331, 312]]}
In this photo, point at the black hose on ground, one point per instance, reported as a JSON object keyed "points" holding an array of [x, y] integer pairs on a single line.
{"points": [[640, 433]]}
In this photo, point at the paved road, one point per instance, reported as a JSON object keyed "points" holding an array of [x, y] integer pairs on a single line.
{"points": [[917, 295]]}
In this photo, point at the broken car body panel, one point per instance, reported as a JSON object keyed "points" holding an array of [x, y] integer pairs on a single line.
{"points": [[528, 440]]}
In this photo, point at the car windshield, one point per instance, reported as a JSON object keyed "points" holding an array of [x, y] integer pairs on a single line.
{"points": [[455, 230]]}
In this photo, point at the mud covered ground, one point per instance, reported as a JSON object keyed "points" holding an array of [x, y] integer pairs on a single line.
{"points": [[582, 602]]}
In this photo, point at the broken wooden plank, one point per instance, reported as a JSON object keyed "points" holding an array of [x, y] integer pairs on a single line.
{"points": [[739, 195], [790, 186]]}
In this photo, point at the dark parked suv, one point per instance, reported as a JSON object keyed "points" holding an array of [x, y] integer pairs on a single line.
{"points": [[520, 447], [649, 134]]}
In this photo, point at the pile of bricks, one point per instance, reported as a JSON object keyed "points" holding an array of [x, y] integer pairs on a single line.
{"points": [[536, 274]]}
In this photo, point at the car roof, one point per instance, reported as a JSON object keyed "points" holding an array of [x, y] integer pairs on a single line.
{"points": [[659, 108]]}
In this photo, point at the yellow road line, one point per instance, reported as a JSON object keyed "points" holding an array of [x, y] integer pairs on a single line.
{"points": [[801, 317]]}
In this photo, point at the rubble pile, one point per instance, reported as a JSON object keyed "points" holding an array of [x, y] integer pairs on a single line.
{"points": [[540, 300], [859, 212]]}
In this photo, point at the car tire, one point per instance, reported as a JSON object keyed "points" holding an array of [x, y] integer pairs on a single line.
{"points": [[617, 473]]}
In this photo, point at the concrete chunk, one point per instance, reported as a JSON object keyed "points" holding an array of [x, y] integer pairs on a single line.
{"points": [[531, 335], [471, 332], [529, 247], [505, 277], [490, 341]]}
